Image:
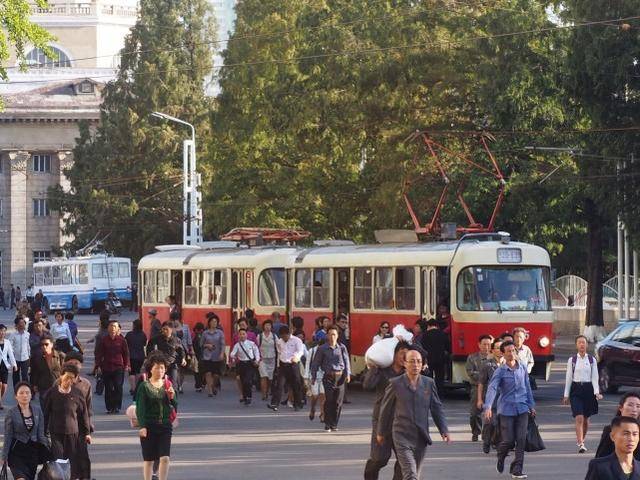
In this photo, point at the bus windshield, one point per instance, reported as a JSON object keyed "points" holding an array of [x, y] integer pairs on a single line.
{"points": [[503, 289]]}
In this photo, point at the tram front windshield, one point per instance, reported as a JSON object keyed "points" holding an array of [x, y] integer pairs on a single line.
{"points": [[503, 289]]}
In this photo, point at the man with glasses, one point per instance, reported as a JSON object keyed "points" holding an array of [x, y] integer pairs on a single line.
{"points": [[46, 366], [404, 412]]}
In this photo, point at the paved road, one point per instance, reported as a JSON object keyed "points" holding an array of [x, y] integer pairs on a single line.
{"points": [[222, 440]]}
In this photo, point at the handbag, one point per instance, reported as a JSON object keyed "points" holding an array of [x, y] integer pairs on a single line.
{"points": [[3, 473], [173, 413], [99, 385], [534, 441], [55, 470]]}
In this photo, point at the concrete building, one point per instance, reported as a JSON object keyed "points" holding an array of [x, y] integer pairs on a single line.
{"points": [[39, 125]]}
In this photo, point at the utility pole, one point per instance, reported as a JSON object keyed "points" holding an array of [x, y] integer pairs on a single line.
{"points": [[191, 195]]}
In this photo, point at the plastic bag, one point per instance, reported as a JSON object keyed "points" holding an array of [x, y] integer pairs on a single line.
{"points": [[381, 353], [534, 440], [131, 415], [55, 470]]}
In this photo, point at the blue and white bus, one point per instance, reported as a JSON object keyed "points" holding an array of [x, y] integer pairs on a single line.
{"points": [[76, 283]]}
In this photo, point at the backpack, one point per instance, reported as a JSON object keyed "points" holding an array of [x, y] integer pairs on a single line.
{"points": [[574, 359]]}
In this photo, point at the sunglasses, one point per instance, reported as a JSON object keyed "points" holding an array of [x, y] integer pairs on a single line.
{"points": [[385, 327], [46, 344]]}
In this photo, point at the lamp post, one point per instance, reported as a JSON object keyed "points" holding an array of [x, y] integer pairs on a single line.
{"points": [[191, 201]]}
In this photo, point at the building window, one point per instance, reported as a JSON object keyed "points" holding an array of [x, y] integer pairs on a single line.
{"points": [[42, 163], [41, 255], [36, 58], [40, 207]]}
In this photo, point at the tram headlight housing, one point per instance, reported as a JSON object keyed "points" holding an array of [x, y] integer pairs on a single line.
{"points": [[544, 342]]}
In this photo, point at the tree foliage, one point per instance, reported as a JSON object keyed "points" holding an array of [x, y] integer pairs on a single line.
{"points": [[126, 176]]}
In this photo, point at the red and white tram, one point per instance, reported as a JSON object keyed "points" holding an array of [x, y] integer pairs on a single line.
{"points": [[490, 285]]}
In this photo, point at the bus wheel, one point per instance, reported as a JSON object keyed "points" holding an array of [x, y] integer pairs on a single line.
{"points": [[74, 305]]}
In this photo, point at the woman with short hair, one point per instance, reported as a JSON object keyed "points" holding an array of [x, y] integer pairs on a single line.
{"points": [[384, 331], [136, 341], [212, 354], [155, 399], [25, 444]]}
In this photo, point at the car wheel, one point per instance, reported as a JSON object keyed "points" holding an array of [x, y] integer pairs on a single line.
{"points": [[605, 381]]}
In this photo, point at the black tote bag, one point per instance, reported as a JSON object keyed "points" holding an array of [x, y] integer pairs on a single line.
{"points": [[534, 440]]}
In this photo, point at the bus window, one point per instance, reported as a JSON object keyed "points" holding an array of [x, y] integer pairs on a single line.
{"points": [[503, 288], [383, 298], [321, 282], [190, 287], [98, 270], [164, 285], [123, 270], [271, 287], [112, 269], [149, 278], [83, 274], [405, 288], [66, 274], [38, 273], [48, 278], [303, 288], [57, 275], [362, 287]]}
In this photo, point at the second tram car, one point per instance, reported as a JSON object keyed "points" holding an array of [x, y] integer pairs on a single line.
{"points": [[488, 283]]}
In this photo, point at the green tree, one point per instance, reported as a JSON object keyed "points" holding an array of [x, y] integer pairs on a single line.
{"points": [[126, 175], [17, 31]]}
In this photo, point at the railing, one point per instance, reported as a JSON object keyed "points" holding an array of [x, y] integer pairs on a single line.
{"points": [[86, 9]]}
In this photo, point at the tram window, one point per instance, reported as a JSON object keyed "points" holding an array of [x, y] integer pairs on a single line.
{"points": [[190, 287], [48, 277], [303, 288], [321, 282], [98, 270], [83, 274], [149, 278], [213, 287], [503, 289], [164, 286], [362, 287], [383, 298], [123, 270], [271, 287], [405, 288], [66, 274], [57, 276]]}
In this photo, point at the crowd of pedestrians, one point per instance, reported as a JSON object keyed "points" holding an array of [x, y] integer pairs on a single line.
{"points": [[274, 359]]}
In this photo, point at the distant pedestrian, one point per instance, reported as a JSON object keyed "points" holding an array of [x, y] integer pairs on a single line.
{"points": [[3, 302], [198, 374], [290, 351], [184, 335], [18, 295], [25, 443], [63, 339], [524, 353], [213, 351], [474, 364], [136, 342], [245, 355], [620, 465], [384, 331], [73, 328], [67, 420], [268, 357], [322, 324], [155, 325], [277, 323], [7, 363], [405, 409], [582, 389], [168, 344], [629, 406], [315, 390], [486, 373], [378, 379], [12, 296], [35, 337], [444, 319], [436, 343], [30, 294], [21, 351], [112, 361], [333, 359], [173, 305], [510, 383], [155, 400]]}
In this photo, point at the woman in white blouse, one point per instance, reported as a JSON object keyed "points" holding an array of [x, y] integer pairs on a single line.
{"points": [[581, 389]]}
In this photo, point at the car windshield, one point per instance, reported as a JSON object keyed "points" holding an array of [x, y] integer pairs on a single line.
{"points": [[503, 289]]}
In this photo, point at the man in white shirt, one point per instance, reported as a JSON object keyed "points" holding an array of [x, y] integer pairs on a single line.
{"points": [[582, 389], [290, 351], [21, 351], [246, 355]]}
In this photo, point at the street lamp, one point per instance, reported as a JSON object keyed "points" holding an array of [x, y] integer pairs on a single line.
{"points": [[191, 201]]}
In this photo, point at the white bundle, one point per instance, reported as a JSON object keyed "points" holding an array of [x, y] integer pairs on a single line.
{"points": [[381, 353]]}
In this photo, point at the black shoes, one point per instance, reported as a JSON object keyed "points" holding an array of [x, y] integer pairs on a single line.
{"points": [[500, 465], [474, 438], [272, 407], [486, 448]]}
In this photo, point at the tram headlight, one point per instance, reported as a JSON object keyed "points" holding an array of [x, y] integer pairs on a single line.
{"points": [[544, 342]]}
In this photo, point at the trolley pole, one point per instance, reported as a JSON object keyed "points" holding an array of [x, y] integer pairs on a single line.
{"points": [[191, 195]]}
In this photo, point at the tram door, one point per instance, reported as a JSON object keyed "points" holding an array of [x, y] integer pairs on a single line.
{"points": [[429, 293], [342, 291], [176, 286], [240, 292]]}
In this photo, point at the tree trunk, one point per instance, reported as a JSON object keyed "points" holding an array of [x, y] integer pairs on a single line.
{"points": [[594, 265]]}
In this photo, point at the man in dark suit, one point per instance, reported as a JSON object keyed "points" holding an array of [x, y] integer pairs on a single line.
{"points": [[405, 413], [620, 465], [437, 345]]}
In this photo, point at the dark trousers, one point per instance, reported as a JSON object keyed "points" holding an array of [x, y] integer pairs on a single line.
{"points": [[21, 374], [246, 372], [379, 457], [199, 378], [410, 453], [475, 415], [289, 373], [334, 396], [113, 389], [513, 433], [437, 372], [172, 373], [488, 429]]}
